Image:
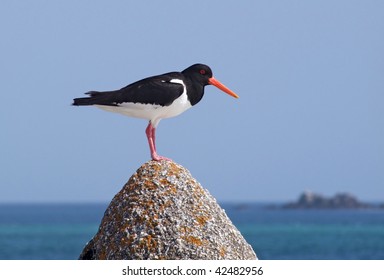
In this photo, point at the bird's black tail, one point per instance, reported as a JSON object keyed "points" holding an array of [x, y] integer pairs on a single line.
{"points": [[95, 97]]}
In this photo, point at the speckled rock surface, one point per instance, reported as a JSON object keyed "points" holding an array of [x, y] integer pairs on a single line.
{"points": [[164, 213]]}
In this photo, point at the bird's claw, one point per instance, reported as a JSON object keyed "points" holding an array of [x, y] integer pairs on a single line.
{"points": [[156, 157]]}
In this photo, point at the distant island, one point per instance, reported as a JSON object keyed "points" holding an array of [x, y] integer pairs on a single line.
{"points": [[310, 200]]}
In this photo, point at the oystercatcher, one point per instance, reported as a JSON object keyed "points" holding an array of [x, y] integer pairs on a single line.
{"points": [[157, 97]]}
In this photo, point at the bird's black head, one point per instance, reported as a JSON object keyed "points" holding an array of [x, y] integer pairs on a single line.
{"points": [[198, 76], [199, 73]]}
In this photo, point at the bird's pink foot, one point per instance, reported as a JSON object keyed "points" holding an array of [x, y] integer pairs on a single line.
{"points": [[158, 158]]}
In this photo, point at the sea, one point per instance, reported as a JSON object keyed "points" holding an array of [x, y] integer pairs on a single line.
{"points": [[60, 231]]}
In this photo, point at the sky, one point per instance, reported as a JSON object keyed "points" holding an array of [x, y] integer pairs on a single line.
{"points": [[310, 76]]}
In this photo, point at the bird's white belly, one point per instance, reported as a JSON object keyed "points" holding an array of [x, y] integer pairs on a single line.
{"points": [[151, 112]]}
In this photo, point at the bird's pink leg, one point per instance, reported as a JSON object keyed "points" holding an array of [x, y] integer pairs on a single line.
{"points": [[151, 136]]}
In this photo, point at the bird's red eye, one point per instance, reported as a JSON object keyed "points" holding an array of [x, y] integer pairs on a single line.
{"points": [[202, 72]]}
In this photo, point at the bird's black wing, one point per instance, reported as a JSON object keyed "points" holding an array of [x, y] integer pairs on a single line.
{"points": [[159, 90]]}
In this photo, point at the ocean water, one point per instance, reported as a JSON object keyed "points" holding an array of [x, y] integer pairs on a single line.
{"points": [[60, 231]]}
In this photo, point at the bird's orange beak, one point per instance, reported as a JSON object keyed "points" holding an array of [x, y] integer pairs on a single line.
{"points": [[216, 83]]}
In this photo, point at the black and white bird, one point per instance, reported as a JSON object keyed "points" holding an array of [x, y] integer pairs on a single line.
{"points": [[156, 98]]}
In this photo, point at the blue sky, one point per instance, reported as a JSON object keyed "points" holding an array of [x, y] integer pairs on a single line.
{"points": [[309, 75]]}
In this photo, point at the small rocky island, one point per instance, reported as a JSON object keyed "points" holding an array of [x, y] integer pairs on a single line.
{"points": [[309, 200]]}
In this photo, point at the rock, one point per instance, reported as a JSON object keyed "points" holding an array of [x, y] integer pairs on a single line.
{"points": [[164, 213]]}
